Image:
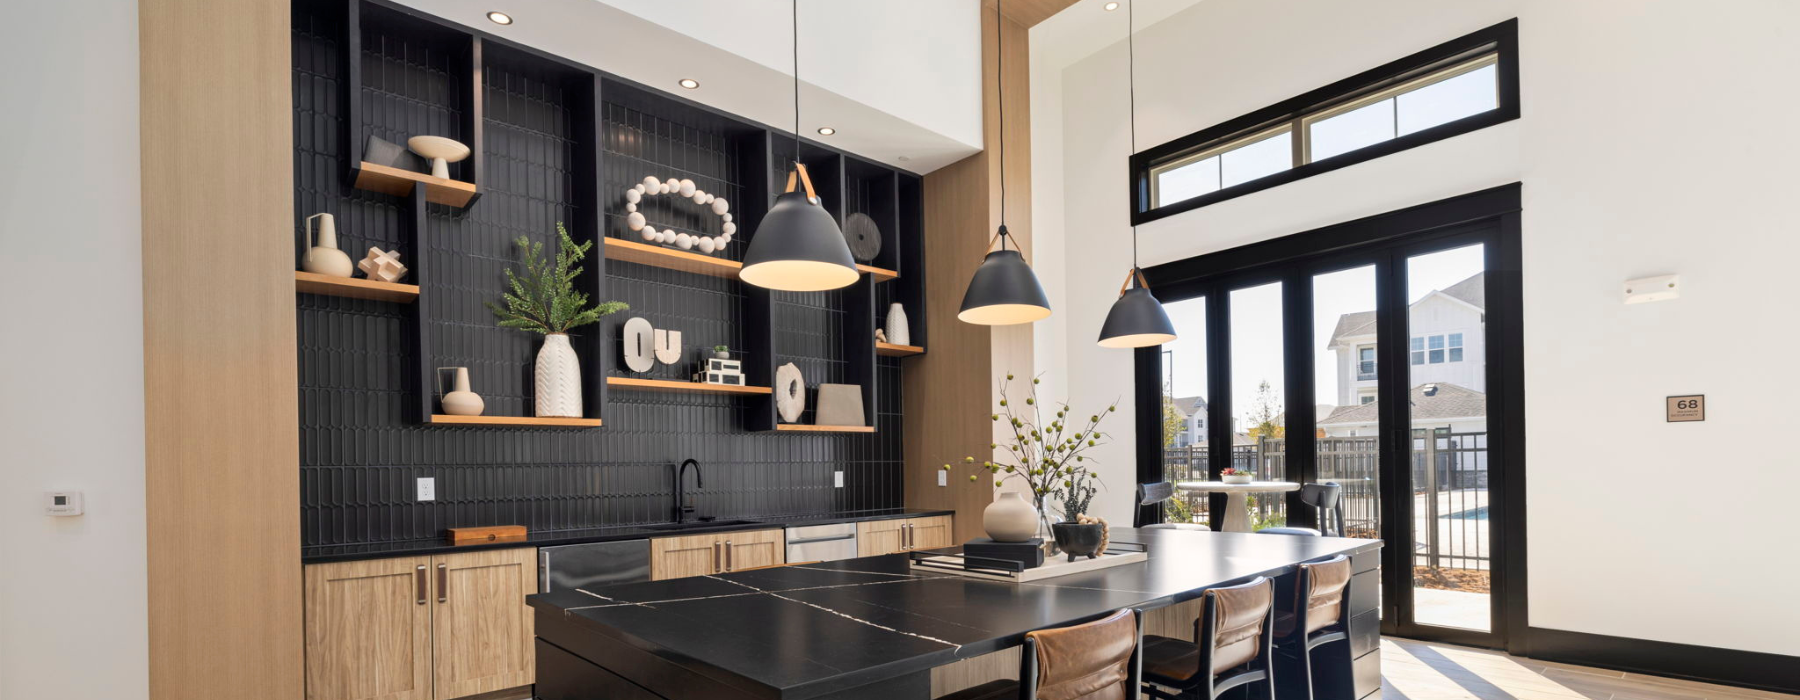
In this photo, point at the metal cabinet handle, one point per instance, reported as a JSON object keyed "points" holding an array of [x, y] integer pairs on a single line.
{"points": [[419, 583], [443, 583], [715, 566], [727, 555]]}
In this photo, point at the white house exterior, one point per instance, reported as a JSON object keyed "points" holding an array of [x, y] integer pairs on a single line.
{"points": [[1193, 431], [1447, 357]]}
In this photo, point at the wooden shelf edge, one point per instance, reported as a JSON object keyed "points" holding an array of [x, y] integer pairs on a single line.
{"points": [[518, 421], [881, 274], [689, 387], [315, 283], [395, 181], [805, 428], [892, 350], [681, 260]]}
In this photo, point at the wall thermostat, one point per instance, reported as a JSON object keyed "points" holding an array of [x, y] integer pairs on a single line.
{"points": [[62, 503]]}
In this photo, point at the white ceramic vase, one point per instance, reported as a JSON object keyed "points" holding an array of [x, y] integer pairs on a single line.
{"points": [[461, 401], [1010, 518], [558, 378], [322, 256], [897, 332]]}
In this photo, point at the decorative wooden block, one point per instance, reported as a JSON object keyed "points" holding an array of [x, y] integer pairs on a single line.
{"points": [[382, 266]]}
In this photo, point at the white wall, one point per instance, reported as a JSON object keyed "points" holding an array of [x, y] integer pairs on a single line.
{"points": [[1644, 147], [72, 602]]}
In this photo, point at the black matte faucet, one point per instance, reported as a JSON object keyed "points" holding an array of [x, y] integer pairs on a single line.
{"points": [[682, 507]]}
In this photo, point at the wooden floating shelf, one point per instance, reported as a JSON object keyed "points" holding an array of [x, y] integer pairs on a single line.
{"points": [[315, 283], [515, 421], [892, 350], [395, 181], [798, 427], [658, 256], [881, 274], [688, 387]]}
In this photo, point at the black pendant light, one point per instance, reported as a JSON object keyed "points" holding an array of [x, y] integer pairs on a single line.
{"points": [[798, 247], [1137, 319], [1004, 290]]}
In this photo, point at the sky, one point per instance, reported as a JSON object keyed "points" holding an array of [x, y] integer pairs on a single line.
{"points": [[1256, 326]]}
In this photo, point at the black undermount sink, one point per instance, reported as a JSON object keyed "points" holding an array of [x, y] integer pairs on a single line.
{"points": [[700, 524]]}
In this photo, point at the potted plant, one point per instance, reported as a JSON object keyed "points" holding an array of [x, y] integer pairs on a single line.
{"points": [[721, 352], [542, 299], [1046, 455], [1234, 475]]}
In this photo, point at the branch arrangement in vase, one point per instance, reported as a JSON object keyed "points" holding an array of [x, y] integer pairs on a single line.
{"points": [[1048, 457], [543, 299]]}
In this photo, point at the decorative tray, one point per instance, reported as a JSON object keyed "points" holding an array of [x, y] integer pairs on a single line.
{"points": [[957, 564]]}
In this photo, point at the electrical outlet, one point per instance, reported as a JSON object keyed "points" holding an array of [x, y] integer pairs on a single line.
{"points": [[837, 479], [427, 489], [943, 478]]}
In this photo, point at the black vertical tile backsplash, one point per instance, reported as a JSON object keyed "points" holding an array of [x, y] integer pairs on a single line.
{"points": [[360, 451]]}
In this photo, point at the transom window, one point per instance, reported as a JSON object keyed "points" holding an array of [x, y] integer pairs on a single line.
{"points": [[1464, 84]]}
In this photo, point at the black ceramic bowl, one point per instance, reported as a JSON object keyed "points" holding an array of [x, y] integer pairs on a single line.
{"points": [[1076, 539]]}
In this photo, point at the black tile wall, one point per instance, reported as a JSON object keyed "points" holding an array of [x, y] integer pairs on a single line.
{"points": [[360, 450]]}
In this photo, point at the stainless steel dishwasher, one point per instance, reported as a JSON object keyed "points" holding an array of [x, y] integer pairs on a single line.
{"points": [[821, 543], [574, 566]]}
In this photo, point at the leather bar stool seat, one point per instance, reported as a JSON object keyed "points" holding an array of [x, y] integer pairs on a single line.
{"points": [[1321, 599], [1232, 647], [1097, 660]]}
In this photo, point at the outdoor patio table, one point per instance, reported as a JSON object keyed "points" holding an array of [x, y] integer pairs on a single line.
{"points": [[1237, 509]]}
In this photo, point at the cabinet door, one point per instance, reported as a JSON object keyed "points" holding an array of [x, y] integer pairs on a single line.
{"points": [[368, 630], [755, 549], [481, 627], [877, 537], [680, 557], [931, 533]]}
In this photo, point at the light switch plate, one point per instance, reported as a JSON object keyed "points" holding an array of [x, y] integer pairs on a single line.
{"points": [[427, 489], [943, 478], [837, 479]]}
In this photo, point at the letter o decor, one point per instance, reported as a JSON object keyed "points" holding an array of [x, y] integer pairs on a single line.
{"points": [[685, 189]]}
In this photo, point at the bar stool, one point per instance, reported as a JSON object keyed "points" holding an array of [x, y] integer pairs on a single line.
{"points": [[1232, 647], [1097, 660], [1321, 597], [1324, 500], [1155, 493]]}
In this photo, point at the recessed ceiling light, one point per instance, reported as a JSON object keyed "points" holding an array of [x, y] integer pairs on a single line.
{"points": [[826, 131], [1109, 7], [500, 17], [689, 83]]}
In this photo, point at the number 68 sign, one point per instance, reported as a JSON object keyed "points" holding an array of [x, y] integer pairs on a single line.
{"points": [[1687, 408]]}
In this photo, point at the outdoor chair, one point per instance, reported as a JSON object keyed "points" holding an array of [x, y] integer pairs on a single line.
{"points": [[1324, 499], [1153, 494]]}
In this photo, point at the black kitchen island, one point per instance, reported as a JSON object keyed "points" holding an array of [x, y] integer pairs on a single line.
{"points": [[875, 628]]}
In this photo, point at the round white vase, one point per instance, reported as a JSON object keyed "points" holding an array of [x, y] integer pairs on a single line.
{"points": [[558, 378], [461, 401], [897, 331], [1010, 518]]}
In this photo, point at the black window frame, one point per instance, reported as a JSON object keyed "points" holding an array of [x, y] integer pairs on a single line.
{"points": [[1501, 39]]}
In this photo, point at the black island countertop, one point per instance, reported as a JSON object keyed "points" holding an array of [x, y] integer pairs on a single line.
{"points": [[868, 627], [552, 538]]}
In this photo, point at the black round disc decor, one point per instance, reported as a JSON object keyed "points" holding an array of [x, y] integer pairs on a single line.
{"points": [[863, 236]]}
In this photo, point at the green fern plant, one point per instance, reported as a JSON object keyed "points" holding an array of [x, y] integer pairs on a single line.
{"points": [[543, 298]]}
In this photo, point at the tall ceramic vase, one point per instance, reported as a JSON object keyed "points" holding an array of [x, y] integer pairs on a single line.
{"points": [[558, 378], [1010, 519], [897, 331]]}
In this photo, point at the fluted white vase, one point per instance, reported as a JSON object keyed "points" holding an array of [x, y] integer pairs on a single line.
{"points": [[897, 332], [558, 378]]}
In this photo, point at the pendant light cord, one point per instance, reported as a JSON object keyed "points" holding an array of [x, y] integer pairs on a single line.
{"points": [[794, 5], [1131, 98]]}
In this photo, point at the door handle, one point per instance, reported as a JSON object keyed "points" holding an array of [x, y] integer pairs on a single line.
{"points": [[419, 583], [815, 540], [906, 536], [727, 555], [443, 583], [716, 568]]}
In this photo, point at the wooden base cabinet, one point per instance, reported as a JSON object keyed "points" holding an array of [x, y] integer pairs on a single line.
{"points": [[877, 537], [420, 628], [701, 555]]}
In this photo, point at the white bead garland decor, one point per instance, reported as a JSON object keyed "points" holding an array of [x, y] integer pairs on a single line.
{"points": [[686, 189]]}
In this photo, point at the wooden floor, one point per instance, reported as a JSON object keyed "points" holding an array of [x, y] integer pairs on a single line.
{"points": [[1422, 671]]}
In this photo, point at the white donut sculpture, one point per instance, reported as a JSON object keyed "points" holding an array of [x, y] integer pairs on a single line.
{"points": [[685, 189]]}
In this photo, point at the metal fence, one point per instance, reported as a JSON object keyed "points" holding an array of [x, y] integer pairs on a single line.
{"points": [[1449, 478]]}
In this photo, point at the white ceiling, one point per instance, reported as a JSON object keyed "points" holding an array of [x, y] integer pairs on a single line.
{"points": [[897, 79]]}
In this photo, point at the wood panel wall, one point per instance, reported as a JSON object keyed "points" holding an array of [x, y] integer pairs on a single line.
{"points": [[950, 392], [221, 400]]}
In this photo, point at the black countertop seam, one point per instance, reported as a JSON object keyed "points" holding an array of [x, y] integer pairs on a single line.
{"points": [[552, 538]]}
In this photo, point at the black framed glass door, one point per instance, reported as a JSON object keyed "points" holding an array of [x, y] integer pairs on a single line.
{"points": [[1386, 363]]}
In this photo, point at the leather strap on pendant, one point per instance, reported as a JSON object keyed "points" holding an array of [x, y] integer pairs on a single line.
{"points": [[805, 181], [1134, 274]]}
